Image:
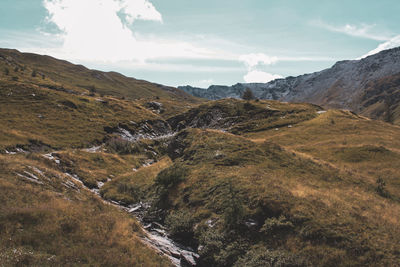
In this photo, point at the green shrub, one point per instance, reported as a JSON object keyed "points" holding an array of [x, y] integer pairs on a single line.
{"points": [[171, 176], [234, 210], [121, 146], [230, 253], [381, 187], [276, 225], [128, 189], [180, 225], [262, 257], [211, 243]]}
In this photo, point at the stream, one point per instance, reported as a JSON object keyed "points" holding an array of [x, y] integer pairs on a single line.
{"points": [[156, 235]]}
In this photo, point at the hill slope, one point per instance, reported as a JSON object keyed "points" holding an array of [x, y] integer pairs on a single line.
{"points": [[368, 86], [252, 183], [61, 74]]}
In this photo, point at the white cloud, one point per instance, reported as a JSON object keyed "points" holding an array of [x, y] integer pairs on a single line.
{"points": [[368, 31], [102, 33], [392, 43], [93, 30], [252, 60], [256, 76], [139, 9]]}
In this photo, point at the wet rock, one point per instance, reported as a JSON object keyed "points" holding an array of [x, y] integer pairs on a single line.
{"points": [[105, 102], [211, 222], [135, 209], [250, 223], [188, 259], [53, 157]]}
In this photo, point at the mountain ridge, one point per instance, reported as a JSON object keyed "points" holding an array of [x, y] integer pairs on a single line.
{"points": [[344, 85]]}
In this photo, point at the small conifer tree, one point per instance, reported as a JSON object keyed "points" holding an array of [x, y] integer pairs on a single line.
{"points": [[248, 94]]}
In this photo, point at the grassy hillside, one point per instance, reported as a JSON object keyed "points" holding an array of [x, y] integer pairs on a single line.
{"points": [[60, 119], [62, 75], [47, 219], [244, 183], [321, 190]]}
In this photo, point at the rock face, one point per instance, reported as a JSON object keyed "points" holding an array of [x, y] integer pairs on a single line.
{"points": [[350, 84]]}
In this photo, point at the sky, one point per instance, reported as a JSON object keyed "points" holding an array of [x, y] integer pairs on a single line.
{"points": [[199, 43]]}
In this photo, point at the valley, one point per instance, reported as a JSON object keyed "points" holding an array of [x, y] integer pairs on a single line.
{"points": [[121, 172]]}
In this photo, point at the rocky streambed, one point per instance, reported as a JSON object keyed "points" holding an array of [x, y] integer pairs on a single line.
{"points": [[156, 235]]}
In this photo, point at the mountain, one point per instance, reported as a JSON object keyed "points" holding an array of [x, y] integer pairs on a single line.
{"points": [[108, 179], [370, 86]]}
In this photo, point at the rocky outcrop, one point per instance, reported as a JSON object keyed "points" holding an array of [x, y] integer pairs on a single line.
{"points": [[150, 129], [156, 107]]}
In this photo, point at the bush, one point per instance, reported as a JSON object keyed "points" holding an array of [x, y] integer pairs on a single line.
{"points": [[211, 243], [6, 71], [92, 89], [230, 253], [234, 210], [262, 257], [276, 225], [121, 146], [171, 176], [180, 225], [381, 187], [128, 189]]}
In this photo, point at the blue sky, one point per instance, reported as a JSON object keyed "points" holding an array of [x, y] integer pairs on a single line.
{"points": [[179, 42]]}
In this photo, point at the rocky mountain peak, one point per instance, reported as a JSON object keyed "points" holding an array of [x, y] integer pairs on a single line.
{"points": [[343, 85]]}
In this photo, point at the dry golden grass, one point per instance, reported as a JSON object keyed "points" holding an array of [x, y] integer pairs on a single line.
{"points": [[131, 187], [51, 224]]}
